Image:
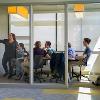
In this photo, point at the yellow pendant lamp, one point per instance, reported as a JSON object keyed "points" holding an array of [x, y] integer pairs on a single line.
{"points": [[79, 9], [20, 10]]}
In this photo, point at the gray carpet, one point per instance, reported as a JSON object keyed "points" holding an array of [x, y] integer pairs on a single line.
{"points": [[37, 94]]}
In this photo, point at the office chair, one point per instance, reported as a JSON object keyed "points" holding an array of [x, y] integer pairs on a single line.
{"points": [[58, 66], [79, 70], [38, 65]]}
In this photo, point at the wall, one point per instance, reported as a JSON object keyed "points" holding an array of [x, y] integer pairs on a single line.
{"points": [[3, 31], [29, 1], [91, 27], [33, 1], [88, 27], [74, 31]]}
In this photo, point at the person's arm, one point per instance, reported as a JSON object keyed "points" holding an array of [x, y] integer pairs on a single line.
{"points": [[46, 54], [3, 41], [16, 44], [87, 53]]}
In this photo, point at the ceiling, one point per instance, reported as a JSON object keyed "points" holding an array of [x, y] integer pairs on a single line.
{"points": [[55, 9], [46, 1], [93, 7], [48, 9], [60, 8]]}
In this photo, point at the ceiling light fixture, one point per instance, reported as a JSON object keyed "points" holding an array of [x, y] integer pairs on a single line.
{"points": [[79, 9], [18, 11]]}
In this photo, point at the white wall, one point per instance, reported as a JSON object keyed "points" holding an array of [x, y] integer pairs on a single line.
{"points": [[90, 29], [44, 28], [3, 31], [74, 31]]}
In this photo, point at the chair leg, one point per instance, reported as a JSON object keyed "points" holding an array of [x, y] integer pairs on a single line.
{"points": [[72, 71], [80, 73]]}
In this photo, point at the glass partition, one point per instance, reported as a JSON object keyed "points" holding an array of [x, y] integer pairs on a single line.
{"points": [[48, 27], [14, 44], [83, 22], [44, 28], [60, 32]]}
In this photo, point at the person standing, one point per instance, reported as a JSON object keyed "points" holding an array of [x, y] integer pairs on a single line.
{"points": [[9, 54]]}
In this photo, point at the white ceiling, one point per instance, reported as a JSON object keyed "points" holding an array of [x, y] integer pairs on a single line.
{"points": [[48, 9], [44, 1], [88, 7]]}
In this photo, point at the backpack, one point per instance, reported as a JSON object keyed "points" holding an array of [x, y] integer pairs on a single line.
{"points": [[97, 82]]}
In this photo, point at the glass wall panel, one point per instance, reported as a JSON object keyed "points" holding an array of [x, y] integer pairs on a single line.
{"points": [[60, 32], [19, 25], [48, 25], [85, 24]]}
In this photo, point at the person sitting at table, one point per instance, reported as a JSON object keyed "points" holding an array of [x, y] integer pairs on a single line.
{"points": [[71, 56], [48, 48], [20, 57], [71, 52], [87, 51], [39, 51]]}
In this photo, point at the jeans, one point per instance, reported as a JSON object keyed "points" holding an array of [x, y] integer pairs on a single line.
{"points": [[6, 60]]}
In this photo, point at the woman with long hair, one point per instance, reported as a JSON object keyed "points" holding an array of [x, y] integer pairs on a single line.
{"points": [[9, 54]]}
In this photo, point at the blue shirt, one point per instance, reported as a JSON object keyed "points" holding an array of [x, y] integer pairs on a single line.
{"points": [[10, 48], [71, 53], [50, 51]]}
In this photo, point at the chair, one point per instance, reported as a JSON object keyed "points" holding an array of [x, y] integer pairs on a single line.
{"points": [[58, 66], [38, 65], [78, 69]]}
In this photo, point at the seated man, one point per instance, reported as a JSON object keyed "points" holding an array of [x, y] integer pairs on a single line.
{"points": [[82, 60], [71, 52], [71, 56], [87, 51]]}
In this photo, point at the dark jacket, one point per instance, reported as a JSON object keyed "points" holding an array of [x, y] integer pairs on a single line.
{"points": [[57, 63], [10, 48]]}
